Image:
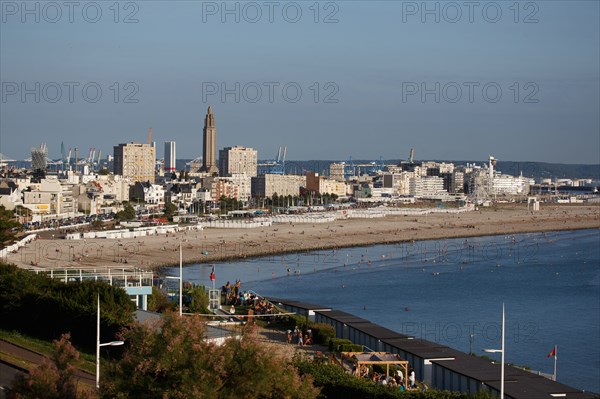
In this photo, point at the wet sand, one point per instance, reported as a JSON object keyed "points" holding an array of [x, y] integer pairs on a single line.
{"points": [[212, 245]]}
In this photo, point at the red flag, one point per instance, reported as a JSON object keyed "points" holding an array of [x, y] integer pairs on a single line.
{"points": [[552, 352], [212, 274]]}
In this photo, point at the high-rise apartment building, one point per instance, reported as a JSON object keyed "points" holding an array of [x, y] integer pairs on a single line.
{"points": [[170, 157], [135, 161], [209, 149], [336, 171], [237, 161]]}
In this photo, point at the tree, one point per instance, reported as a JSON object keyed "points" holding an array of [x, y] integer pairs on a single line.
{"points": [[103, 172], [128, 213], [172, 359], [169, 210], [60, 307], [54, 378], [159, 301], [196, 299], [8, 227]]}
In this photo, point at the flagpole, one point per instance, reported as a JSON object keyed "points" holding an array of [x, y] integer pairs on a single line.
{"points": [[555, 355], [502, 360]]}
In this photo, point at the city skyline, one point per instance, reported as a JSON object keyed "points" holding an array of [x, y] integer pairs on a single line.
{"points": [[451, 82]]}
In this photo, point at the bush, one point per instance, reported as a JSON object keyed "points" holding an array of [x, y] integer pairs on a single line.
{"points": [[336, 343], [171, 359], [196, 299], [294, 320], [322, 333], [53, 307], [351, 348], [159, 301]]}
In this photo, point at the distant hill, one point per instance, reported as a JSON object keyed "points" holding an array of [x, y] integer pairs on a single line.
{"points": [[537, 170]]}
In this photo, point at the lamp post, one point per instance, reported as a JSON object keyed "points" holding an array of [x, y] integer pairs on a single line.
{"points": [[471, 336], [502, 357], [180, 279], [98, 345]]}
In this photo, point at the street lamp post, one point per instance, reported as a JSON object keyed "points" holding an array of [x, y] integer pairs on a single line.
{"points": [[471, 336], [501, 358], [180, 278], [98, 345]]}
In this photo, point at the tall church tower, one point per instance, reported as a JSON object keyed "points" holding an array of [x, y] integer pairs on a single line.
{"points": [[209, 152]]}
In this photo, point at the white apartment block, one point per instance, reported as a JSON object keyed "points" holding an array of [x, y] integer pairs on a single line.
{"points": [[428, 186], [243, 183], [336, 171], [328, 186], [510, 185], [50, 199], [398, 182], [237, 160], [135, 161]]}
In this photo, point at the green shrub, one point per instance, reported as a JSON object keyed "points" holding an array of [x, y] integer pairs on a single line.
{"points": [[336, 343], [46, 308], [159, 301], [351, 348], [322, 333], [294, 320]]}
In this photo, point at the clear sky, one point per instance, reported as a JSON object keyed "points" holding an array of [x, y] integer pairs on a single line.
{"points": [[454, 80]]}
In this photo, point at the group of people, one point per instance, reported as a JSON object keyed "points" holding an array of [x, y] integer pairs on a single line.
{"points": [[262, 306], [298, 337], [393, 381], [233, 295]]}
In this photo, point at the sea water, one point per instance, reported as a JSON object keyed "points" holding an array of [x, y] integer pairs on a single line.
{"points": [[451, 292]]}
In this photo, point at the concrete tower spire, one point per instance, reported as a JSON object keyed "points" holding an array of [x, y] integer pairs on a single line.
{"points": [[209, 150]]}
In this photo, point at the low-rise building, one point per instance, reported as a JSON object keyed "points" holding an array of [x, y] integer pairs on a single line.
{"points": [[50, 199], [10, 194], [321, 185], [283, 185], [149, 193]]}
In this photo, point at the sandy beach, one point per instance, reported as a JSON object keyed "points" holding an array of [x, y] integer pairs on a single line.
{"points": [[211, 245]]}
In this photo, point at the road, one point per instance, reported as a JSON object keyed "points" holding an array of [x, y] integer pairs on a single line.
{"points": [[32, 357], [7, 375]]}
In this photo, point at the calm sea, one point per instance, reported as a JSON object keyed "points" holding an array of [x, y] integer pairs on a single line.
{"points": [[447, 290]]}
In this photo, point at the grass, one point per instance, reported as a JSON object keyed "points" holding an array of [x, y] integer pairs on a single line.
{"points": [[87, 360]]}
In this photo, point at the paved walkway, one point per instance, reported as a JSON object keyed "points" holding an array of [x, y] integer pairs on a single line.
{"points": [[37, 359]]}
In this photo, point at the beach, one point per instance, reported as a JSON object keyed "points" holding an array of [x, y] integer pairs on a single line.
{"points": [[216, 244]]}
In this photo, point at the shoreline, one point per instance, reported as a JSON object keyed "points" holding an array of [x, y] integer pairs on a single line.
{"points": [[214, 245]]}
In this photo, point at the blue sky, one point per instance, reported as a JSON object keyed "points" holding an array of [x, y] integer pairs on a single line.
{"points": [[362, 68]]}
